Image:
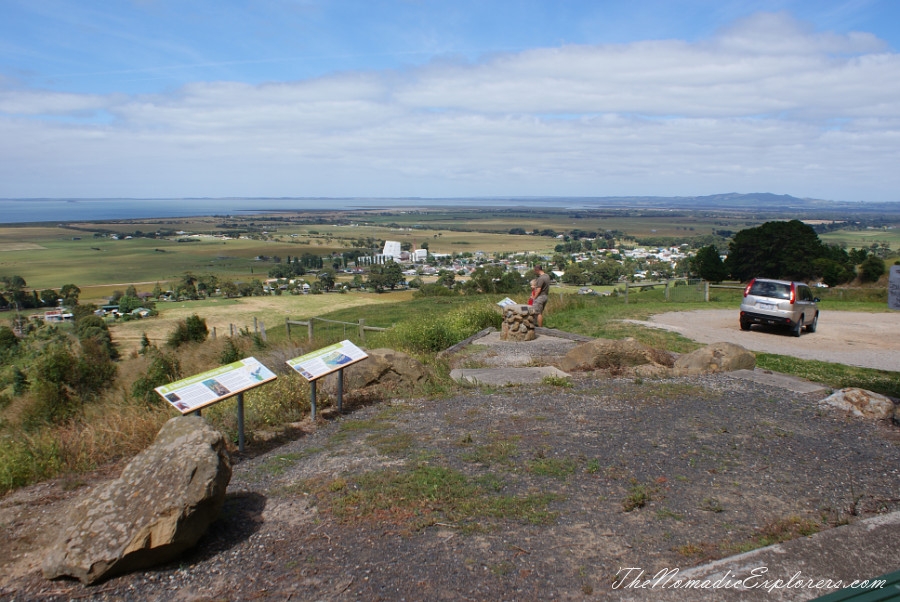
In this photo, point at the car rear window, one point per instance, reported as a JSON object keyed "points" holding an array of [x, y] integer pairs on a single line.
{"points": [[776, 290]]}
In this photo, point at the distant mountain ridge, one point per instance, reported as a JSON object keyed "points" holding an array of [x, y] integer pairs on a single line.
{"points": [[756, 201]]}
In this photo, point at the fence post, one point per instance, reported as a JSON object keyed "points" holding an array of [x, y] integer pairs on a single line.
{"points": [[309, 328], [626, 293], [262, 331], [213, 335], [706, 290], [231, 329], [362, 330], [255, 325], [667, 290], [287, 328]]}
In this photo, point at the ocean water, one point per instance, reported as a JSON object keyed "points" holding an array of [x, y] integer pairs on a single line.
{"points": [[17, 211]]}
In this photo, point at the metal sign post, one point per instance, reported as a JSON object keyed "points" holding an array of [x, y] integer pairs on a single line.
{"points": [[194, 393], [317, 364]]}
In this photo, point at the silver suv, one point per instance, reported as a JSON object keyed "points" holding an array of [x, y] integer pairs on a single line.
{"points": [[779, 303]]}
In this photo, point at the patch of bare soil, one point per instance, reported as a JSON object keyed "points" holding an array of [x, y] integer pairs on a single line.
{"points": [[517, 493]]}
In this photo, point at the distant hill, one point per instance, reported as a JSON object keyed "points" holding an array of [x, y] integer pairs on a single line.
{"points": [[760, 202]]}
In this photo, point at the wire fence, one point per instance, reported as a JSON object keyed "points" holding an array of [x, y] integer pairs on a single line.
{"points": [[326, 331], [674, 290]]}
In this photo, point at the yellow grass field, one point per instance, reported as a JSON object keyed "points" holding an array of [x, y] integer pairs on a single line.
{"points": [[221, 313]]}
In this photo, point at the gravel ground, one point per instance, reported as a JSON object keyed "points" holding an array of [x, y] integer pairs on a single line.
{"points": [[715, 462], [870, 340]]}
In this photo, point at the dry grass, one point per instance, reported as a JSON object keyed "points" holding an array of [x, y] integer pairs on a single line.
{"points": [[222, 313]]}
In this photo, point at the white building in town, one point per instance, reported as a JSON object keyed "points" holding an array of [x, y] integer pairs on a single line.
{"points": [[392, 249]]}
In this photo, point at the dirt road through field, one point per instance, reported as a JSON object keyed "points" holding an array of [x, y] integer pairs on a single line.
{"points": [[870, 340]]}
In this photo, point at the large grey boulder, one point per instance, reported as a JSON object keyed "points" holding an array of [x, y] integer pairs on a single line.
{"points": [[616, 355], [166, 498], [861, 403], [715, 357]]}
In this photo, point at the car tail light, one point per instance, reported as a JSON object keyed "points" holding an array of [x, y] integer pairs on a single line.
{"points": [[793, 293], [747, 289]]}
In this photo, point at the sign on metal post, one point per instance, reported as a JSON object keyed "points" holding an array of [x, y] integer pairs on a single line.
{"points": [[322, 362], [201, 390], [894, 288]]}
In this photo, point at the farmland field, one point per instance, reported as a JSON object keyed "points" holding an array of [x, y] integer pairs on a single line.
{"points": [[87, 255], [221, 314]]}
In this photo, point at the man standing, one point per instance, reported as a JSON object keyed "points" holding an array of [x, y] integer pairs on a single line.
{"points": [[542, 288]]}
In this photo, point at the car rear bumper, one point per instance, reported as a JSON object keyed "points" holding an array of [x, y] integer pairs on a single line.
{"points": [[751, 317]]}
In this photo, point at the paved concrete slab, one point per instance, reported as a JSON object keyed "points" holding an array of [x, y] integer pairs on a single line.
{"points": [[783, 381], [860, 551], [505, 376]]}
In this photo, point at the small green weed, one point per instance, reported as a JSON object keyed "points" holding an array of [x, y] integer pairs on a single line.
{"points": [[638, 497], [711, 504], [559, 468], [557, 381], [499, 450]]}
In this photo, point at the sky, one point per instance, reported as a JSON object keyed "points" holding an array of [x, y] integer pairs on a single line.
{"points": [[449, 98]]}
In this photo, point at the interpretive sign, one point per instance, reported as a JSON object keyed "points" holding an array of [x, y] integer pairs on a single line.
{"points": [[327, 360], [894, 288], [191, 394], [506, 302]]}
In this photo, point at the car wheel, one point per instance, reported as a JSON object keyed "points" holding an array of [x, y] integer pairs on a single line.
{"points": [[798, 327], [811, 327], [745, 325]]}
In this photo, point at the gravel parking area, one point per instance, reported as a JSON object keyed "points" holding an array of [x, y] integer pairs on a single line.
{"points": [[870, 340]]}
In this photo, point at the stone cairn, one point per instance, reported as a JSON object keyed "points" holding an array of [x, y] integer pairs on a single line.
{"points": [[518, 323]]}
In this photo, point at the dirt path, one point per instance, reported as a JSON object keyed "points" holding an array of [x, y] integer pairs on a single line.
{"points": [[870, 340]]}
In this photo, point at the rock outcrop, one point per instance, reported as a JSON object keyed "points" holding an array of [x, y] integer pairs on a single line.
{"points": [[163, 502], [618, 356], [715, 357], [385, 369], [861, 403]]}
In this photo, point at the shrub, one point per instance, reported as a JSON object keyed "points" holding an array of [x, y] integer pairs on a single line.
{"points": [[871, 269], [192, 329], [433, 290], [436, 333], [8, 339], [164, 368]]}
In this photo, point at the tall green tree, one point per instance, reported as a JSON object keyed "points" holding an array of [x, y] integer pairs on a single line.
{"points": [[708, 264], [775, 250], [69, 294]]}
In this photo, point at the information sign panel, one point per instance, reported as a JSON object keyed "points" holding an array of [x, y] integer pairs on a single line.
{"points": [[506, 302], [327, 360], [894, 288], [198, 391]]}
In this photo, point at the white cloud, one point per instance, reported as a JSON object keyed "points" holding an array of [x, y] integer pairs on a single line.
{"points": [[765, 105]]}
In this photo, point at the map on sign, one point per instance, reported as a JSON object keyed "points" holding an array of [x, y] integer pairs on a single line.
{"points": [[894, 288], [191, 394], [327, 360]]}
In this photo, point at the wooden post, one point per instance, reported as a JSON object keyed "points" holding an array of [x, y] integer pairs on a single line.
{"points": [[309, 329], [362, 330], [706, 290], [213, 335], [255, 325], [626, 293], [262, 331], [287, 328], [667, 290]]}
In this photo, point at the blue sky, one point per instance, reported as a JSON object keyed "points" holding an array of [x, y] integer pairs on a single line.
{"points": [[165, 98]]}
